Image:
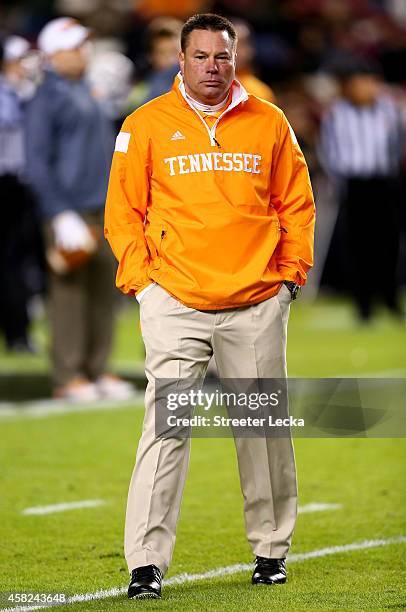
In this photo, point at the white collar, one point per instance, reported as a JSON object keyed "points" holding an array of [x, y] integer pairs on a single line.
{"points": [[209, 109]]}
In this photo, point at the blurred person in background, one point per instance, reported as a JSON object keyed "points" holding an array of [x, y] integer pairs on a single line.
{"points": [[16, 48], [162, 42], [109, 75], [360, 148], [69, 146], [244, 67], [21, 269], [22, 66]]}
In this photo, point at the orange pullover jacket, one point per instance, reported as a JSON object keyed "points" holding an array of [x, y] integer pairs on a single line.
{"points": [[218, 216]]}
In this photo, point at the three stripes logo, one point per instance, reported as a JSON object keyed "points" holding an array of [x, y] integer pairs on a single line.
{"points": [[178, 136]]}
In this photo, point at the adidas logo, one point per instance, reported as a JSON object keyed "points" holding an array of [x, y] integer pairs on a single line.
{"points": [[178, 136]]}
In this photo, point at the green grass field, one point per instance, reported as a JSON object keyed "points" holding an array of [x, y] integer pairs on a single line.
{"points": [[89, 456]]}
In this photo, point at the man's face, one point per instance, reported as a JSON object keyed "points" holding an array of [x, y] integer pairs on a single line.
{"points": [[362, 89], [71, 63], [164, 52], [245, 48], [208, 65]]}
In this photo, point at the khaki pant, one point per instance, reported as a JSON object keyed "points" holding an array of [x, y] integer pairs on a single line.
{"points": [[81, 308], [247, 342]]}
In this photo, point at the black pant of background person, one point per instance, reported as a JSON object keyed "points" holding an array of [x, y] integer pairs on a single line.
{"points": [[21, 260], [370, 208]]}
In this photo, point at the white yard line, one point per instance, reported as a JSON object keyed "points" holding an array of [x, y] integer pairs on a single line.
{"points": [[93, 503], [316, 507], [223, 571], [51, 509], [44, 408]]}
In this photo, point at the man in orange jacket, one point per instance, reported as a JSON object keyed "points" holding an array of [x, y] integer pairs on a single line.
{"points": [[210, 214]]}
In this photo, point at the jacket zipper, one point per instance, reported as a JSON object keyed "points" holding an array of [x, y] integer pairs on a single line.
{"points": [[163, 234], [212, 131]]}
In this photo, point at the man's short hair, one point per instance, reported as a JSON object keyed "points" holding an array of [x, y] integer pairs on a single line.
{"points": [[207, 21]]}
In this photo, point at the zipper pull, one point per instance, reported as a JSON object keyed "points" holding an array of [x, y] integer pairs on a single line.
{"points": [[163, 233], [283, 229], [217, 143]]}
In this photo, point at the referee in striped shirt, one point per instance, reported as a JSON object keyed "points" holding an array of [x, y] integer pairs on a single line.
{"points": [[360, 148]]}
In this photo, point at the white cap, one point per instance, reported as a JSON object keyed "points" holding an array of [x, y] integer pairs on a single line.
{"points": [[62, 34], [15, 47]]}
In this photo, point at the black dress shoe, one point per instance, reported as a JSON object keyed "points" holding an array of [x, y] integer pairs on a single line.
{"points": [[146, 582], [269, 571]]}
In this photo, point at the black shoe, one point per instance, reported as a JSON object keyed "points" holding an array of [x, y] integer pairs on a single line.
{"points": [[269, 571], [146, 582]]}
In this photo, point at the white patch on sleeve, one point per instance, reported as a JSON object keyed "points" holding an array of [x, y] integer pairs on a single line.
{"points": [[293, 135], [122, 141]]}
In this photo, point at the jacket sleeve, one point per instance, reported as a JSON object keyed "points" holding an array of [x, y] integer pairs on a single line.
{"points": [[292, 198], [43, 126], [126, 206]]}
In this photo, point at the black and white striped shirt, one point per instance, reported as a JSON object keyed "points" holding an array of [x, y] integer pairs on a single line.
{"points": [[361, 141]]}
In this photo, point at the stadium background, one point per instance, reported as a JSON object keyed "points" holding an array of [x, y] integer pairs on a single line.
{"points": [[52, 453]]}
